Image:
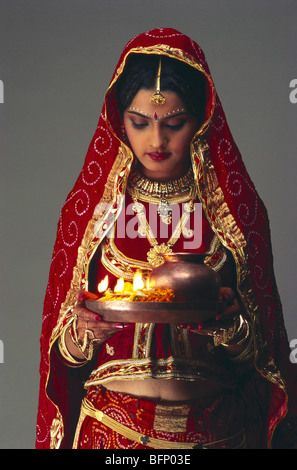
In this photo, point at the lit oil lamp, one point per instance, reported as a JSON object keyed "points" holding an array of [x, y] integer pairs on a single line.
{"points": [[136, 291], [183, 289]]}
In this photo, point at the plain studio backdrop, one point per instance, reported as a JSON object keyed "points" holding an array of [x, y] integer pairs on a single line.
{"points": [[56, 60]]}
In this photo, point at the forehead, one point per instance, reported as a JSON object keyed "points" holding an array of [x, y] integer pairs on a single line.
{"points": [[142, 101]]}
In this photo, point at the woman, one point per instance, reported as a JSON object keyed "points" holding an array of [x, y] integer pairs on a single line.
{"points": [[227, 384]]}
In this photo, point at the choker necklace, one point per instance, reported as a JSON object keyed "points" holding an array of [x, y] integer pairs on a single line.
{"points": [[161, 190]]}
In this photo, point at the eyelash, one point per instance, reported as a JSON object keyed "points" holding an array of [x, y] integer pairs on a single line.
{"points": [[174, 127]]}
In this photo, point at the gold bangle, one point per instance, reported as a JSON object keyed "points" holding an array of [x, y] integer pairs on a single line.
{"points": [[237, 331], [246, 354], [86, 346], [223, 336], [65, 353]]}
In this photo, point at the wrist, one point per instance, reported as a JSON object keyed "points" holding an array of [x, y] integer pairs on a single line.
{"points": [[241, 333], [70, 353]]}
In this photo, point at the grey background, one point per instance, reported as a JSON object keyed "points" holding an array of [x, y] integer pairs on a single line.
{"points": [[56, 60]]}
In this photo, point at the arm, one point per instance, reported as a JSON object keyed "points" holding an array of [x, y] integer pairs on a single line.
{"points": [[84, 334], [230, 330]]}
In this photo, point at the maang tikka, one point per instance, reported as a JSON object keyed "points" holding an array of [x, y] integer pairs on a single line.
{"points": [[157, 97]]}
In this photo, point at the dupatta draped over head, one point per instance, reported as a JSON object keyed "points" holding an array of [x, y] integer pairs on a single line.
{"points": [[231, 204]]}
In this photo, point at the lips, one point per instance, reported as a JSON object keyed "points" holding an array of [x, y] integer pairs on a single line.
{"points": [[158, 156]]}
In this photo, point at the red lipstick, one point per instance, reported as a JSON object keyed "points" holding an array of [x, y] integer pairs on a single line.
{"points": [[158, 156]]}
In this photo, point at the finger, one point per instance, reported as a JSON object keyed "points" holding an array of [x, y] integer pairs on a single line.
{"points": [[95, 325], [85, 314], [227, 293], [230, 311], [86, 295], [103, 333]]}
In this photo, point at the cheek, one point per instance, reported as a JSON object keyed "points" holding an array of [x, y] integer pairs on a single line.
{"points": [[183, 143], [136, 142]]}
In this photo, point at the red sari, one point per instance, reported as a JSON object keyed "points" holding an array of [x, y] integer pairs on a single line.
{"points": [[234, 212]]}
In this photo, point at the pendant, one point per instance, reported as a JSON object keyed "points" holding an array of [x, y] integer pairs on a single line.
{"points": [[165, 212], [155, 255], [187, 232], [137, 207]]}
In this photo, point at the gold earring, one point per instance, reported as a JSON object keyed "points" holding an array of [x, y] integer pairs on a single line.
{"points": [[124, 135]]}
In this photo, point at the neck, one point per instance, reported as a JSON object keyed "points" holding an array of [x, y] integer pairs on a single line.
{"points": [[163, 177]]}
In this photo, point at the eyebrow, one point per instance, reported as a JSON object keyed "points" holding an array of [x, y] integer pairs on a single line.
{"points": [[146, 116]]}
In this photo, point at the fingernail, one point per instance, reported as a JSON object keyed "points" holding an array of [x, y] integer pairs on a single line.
{"points": [[98, 318]]}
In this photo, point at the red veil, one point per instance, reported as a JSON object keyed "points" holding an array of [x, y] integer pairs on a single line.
{"points": [[233, 208]]}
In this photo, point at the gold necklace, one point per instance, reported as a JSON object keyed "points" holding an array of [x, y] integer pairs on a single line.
{"points": [[155, 254], [162, 190]]}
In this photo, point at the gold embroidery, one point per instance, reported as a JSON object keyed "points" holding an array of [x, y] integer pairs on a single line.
{"points": [[122, 266], [142, 340], [56, 432], [171, 418], [119, 264], [96, 231], [224, 224], [164, 368], [109, 349]]}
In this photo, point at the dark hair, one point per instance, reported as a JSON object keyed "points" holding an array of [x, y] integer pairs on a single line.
{"points": [[141, 72]]}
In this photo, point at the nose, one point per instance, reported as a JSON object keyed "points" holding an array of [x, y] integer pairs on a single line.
{"points": [[158, 138]]}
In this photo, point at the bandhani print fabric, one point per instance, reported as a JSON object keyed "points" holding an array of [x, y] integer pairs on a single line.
{"points": [[233, 209]]}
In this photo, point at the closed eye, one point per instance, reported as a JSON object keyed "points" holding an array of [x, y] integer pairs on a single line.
{"points": [[138, 126], [176, 127]]}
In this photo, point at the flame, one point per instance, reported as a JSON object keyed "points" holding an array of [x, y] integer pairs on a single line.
{"points": [[119, 287], [137, 281], [103, 285]]}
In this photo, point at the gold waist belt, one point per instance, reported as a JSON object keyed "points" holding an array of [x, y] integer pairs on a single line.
{"points": [[235, 442]]}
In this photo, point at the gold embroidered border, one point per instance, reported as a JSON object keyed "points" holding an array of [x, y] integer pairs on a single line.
{"points": [[121, 265], [142, 340], [172, 417], [85, 252], [164, 368], [224, 224]]}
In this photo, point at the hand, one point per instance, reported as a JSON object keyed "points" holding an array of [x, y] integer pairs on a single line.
{"points": [[92, 324], [89, 328], [224, 320]]}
